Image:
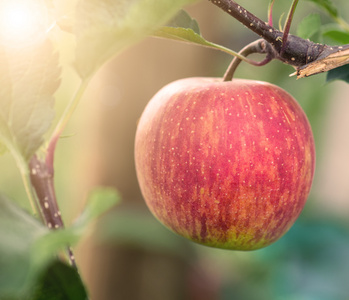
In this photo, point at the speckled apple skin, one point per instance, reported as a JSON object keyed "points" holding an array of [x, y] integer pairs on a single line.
{"points": [[225, 164]]}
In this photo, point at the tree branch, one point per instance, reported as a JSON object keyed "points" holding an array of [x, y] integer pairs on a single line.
{"points": [[41, 176], [306, 57]]}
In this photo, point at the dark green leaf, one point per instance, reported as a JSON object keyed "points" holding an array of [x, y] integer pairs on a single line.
{"points": [[341, 73], [328, 6], [28, 78], [309, 26], [105, 27], [60, 282]]}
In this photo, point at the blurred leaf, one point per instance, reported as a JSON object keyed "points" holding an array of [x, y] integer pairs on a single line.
{"points": [[28, 77], [316, 252], [18, 233], [60, 282], [310, 262], [100, 200], [27, 247], [341, 73], [328, 6], [309, 26], [183, 19], [335, 34], [185, 29], [141, 229], [105, 27]]}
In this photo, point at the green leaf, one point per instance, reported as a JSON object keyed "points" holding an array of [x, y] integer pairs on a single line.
{"points": [[183, 19], [140, 229], [309, 26], [27, 247], [105, 27], [28, 78], [341, 73], [335, 34], [101, 199], [184, 29], [60, 282], [18, 233], [328, 6]]}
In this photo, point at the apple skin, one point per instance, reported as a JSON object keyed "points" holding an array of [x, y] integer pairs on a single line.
{"points": [[225, 164]]}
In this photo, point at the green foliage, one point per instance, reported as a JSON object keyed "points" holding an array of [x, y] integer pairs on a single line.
{"points": [[100, 201], [18, 231], [341, 73], [27, 247], [185, 29], [310, 262], [328, 6], [335, 33], [309, 27], [60, 282], [28, 77], [140, 229], [105, 27]]}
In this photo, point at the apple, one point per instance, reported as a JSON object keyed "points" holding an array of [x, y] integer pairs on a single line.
{"points": [[225, 164]]}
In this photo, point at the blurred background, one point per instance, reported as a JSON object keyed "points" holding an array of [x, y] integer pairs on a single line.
{"points": [[129, 255]]}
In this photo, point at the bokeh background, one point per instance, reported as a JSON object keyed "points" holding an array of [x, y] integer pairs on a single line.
{"points": [[129, 255]]}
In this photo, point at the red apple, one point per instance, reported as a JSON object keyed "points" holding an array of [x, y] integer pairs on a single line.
{"points": [[225, 164]]}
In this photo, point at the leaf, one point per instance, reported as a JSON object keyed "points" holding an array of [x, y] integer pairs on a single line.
{"points": [[60, 282], [309, 26], [328, 6], [335, 34], [28, 77], [18, 233], [105, 27], [341, 73], [140, 229], [101, 199], [183, 19], [184, 29], [27, 247]]}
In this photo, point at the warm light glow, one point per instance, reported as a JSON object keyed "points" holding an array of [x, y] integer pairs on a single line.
{"points": [[22, 22]]}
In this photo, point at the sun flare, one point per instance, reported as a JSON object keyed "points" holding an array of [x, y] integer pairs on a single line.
{"points": [[22, 21]]}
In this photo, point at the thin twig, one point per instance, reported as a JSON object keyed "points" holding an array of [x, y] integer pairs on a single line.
{"points": [[288, 23]]}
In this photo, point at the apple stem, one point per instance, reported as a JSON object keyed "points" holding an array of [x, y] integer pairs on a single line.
{"points": [[307, 57], [259, 46]]}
